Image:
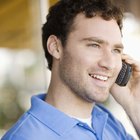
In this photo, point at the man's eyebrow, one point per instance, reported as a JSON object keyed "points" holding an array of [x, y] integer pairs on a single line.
{"points": [[101, 41], [119, 46]]}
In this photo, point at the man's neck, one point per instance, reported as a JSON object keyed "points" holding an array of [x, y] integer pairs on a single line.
{"points": [[68, 102]]}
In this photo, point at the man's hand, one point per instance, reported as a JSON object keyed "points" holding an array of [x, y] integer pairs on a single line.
{"points": [[129, 96]]}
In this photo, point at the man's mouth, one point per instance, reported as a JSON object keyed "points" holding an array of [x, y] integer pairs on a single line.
{"points": [[99, 77]]}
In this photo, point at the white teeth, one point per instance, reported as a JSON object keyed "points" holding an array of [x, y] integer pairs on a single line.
{"points": [[103, 78]]}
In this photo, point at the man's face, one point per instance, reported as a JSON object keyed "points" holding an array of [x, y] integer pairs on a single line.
{"points": [[91, 59]]}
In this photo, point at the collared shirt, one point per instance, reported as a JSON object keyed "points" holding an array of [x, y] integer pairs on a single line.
{"points": [[44, 122]]}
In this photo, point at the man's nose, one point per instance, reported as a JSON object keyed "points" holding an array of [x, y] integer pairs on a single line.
{"points": [[107, 60]]}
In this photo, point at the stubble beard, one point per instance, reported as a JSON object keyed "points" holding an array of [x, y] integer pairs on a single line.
{"points": [[72, 78]]}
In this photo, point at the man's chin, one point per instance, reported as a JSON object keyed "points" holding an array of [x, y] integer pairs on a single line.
{"points": [[98, 99]]}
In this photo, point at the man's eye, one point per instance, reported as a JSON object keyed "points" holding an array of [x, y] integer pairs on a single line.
{"points": [[117, 51], [93, 45]]}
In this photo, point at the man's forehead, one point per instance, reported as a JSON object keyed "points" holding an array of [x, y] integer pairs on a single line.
{"points": [[96, 26], [97, 19]]}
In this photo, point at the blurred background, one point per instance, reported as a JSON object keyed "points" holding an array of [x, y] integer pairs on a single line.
{"points": [[23, 68]]}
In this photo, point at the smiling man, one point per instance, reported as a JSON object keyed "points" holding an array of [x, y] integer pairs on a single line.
{"points": [[82, 41]]}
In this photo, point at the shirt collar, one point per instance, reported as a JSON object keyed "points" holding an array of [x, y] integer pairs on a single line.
{"points": [[99, 120], [50, 116]]}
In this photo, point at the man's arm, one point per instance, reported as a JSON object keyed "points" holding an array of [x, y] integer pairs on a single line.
{"points": [[129, 96]]}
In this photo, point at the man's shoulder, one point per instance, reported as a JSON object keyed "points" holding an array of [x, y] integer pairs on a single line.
{"points": [[26, 128], [11, 134]]}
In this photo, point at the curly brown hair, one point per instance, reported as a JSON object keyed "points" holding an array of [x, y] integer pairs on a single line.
{"points": [[61, 17]]}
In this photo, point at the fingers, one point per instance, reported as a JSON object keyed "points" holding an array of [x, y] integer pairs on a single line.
{"points": [[135, 64]]}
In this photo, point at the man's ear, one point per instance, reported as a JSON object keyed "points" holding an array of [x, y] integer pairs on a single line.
{"points": [[54, 47]]}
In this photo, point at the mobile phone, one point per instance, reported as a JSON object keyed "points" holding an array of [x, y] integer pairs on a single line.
{"points": [[124, 74]]}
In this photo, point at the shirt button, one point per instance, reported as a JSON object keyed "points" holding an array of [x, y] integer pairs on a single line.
{"points": [[81, 124]]}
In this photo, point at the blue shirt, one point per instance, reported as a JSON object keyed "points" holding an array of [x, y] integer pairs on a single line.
{"points": [[44, 122]]}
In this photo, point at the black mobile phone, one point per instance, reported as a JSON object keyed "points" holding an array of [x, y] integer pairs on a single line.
{"points": [[124, 74]]}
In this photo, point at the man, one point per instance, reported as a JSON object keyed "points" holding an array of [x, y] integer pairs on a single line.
{"points": [[83, 45]]}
